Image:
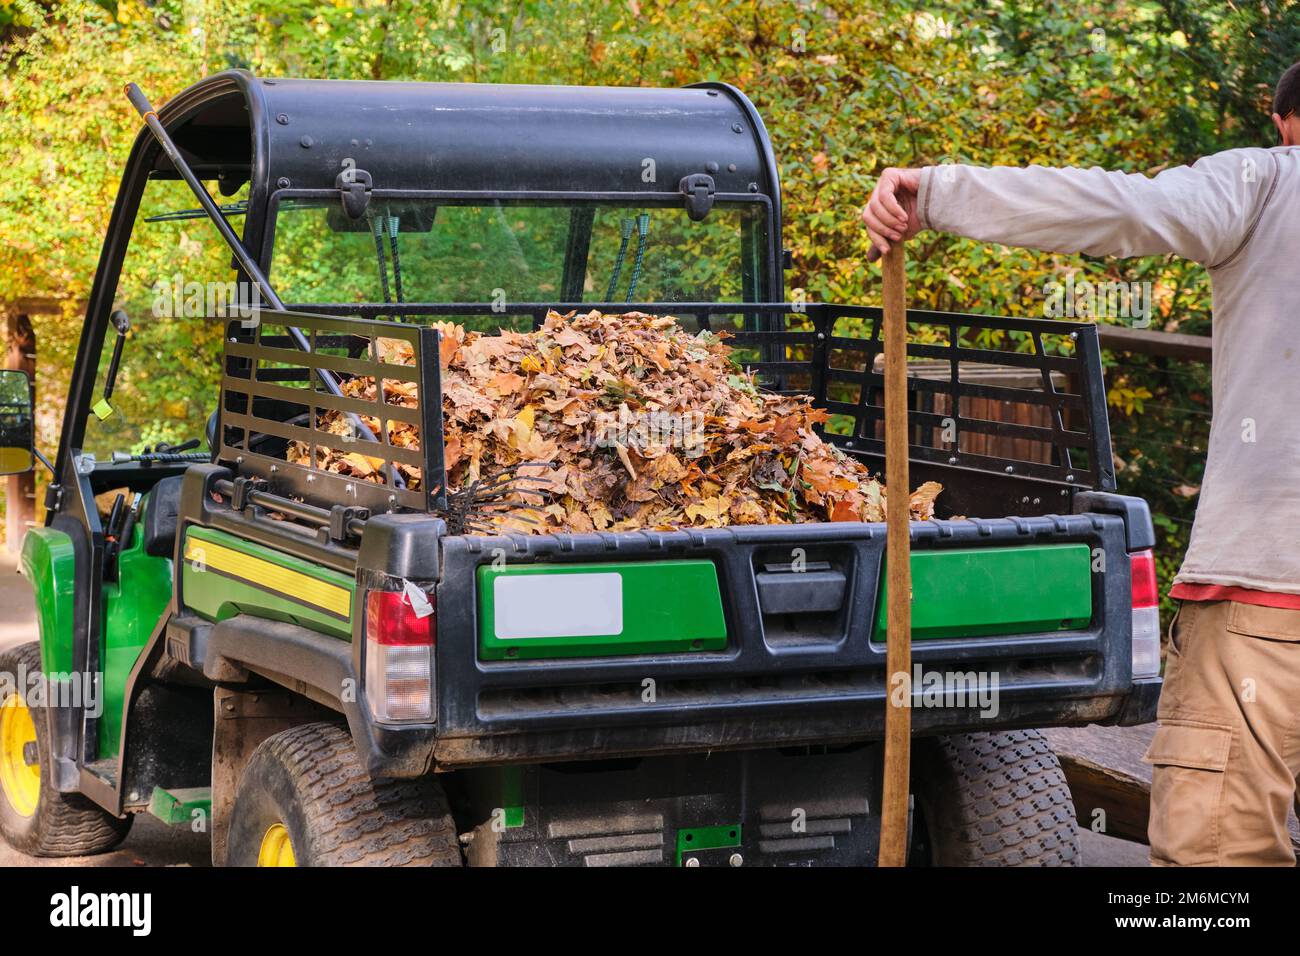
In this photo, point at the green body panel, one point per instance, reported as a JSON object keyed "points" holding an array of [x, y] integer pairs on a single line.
{"points": [[706, 838], [48, 564], [133, 606], [971, 592], [668, 607], [218, 596], [179, 806]]}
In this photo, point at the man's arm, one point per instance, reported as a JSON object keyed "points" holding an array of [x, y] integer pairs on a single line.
{"points": [[1203, 212]]}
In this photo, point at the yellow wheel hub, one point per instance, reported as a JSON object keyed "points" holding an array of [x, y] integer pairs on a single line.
{"points": [[276, 849], [20, 780]]}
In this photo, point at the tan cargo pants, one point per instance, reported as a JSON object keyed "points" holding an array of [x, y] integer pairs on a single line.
{"points": [[1227, 752]]}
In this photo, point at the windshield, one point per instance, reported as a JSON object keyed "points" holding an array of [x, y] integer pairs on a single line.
{"points": [[490, 251]]}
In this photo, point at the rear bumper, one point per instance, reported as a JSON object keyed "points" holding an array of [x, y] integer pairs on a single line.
{"points": [[764, 689], [1140, 704], [840, 725]]}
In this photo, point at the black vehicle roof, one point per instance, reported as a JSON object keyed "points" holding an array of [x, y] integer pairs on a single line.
{"points": [[469, 137]]}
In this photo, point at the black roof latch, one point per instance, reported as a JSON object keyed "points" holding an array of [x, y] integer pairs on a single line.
{"points": [[354, 187], [698, 190]]}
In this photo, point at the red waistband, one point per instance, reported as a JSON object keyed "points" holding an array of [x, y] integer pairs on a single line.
{"points": [[1218, 592]]}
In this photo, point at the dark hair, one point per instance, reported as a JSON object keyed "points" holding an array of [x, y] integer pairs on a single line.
{"points": [[1286, 98]]}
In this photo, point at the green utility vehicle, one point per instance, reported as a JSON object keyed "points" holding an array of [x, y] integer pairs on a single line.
{"points": [[316, 669]]}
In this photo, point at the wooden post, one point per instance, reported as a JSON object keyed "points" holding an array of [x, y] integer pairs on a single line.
{"points": [[20, 503], [898, 562]]}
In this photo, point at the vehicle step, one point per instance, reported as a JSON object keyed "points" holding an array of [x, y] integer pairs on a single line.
{"points": [[103, 770], [179, 806], [187, 639]]}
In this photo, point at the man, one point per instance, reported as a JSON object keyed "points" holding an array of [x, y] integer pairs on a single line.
{"points": [[1227, 751]]}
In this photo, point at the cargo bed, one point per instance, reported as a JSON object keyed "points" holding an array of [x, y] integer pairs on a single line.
{"points": [[727, 638]]}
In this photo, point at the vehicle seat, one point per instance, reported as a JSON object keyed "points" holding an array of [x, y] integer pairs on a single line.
{"points": [[211, 432], [160, 517]]}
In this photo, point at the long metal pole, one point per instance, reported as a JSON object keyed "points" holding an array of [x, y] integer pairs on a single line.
{"points": [[898, 563]]}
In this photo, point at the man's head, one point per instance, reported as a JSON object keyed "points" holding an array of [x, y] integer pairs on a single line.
{"points": [[1286, 106]]}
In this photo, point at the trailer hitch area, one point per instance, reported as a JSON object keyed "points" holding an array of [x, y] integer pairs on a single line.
{"points": [[354, 187], [698, 189], [710, 846]]}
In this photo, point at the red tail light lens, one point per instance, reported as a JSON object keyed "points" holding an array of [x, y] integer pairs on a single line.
{"points": [[391, 620], [1146, 615], [399, 657], [1142, 571]]}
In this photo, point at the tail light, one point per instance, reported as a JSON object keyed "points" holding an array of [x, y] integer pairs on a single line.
{"points": [[399, 652], [1146, 615]]}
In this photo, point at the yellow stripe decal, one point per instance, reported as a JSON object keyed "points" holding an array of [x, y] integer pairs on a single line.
{"points": [[265, 574]]}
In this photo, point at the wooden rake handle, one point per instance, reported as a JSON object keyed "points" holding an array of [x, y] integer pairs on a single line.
{"points": [[898, 648]]}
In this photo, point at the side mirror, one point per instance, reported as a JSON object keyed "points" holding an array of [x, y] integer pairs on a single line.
{"points": [[17, 426]]}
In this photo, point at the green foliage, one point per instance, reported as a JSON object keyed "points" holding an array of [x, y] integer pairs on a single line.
{"points": [[846, 87]]}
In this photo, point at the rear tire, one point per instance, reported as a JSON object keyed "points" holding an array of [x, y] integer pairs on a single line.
{"points": [[305, 800], [994, 799], [34, 817]]}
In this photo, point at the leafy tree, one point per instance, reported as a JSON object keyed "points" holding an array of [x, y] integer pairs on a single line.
{"points": [[846, 87]]}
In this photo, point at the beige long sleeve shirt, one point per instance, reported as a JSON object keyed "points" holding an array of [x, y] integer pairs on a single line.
{"points": [[1238, 214]]}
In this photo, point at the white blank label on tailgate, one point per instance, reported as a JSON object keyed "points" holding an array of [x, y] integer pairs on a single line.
{"points": [[557, 605]]}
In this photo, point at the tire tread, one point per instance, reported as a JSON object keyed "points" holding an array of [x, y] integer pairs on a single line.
{"points": [[67, 824], [357, 821], [999, 799]]}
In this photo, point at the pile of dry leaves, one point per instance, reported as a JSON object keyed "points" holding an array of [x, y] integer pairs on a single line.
{"points": [[624, 422]]}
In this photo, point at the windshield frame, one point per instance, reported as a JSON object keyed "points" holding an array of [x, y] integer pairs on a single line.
{"points": [[768, 288]]}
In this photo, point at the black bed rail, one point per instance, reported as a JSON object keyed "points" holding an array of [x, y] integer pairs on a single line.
{"points": [[1009, 396], [1050, 424], [273, 403]]}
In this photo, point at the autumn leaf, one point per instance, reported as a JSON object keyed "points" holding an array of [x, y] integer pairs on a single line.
{"points": [[711, 510], [505, 383], [922, 500]]}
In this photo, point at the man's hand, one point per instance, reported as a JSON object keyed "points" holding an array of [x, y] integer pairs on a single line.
{"points": [[890, 213]]}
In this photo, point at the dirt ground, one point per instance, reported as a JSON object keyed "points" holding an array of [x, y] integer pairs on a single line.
{"points": [[153, 843]]}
